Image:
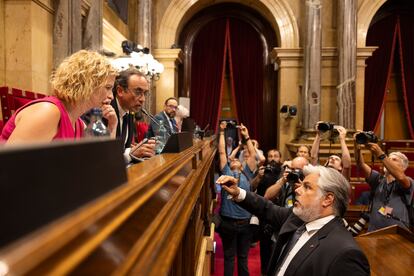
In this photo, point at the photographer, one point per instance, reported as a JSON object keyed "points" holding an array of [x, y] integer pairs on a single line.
{"points": [[391, 193], [234, 227], [265, 177], [283, 191], [342, 165]]}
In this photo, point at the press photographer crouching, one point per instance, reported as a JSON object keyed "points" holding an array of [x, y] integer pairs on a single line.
{"points": [[392, 193]]}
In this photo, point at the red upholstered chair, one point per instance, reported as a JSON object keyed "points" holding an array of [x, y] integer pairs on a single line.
{"points": [[1, 125], [357, 189], [12, 99]]}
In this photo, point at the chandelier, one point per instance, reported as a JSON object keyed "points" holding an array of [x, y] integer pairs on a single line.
{"points": [[140, 58]]}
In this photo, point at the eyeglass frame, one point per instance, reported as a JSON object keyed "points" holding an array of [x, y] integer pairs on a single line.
{"points": [[139, 94], [172, 106]]}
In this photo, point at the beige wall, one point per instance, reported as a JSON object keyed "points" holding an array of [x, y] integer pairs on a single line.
{"points": [[26, 34], [288, 19], [27, 41]]}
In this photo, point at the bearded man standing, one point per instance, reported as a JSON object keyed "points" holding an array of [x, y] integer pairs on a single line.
{"points": [[312, 239]]}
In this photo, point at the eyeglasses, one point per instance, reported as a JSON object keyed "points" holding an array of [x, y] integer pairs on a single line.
{"points": [[172, 106], [139, 92]]}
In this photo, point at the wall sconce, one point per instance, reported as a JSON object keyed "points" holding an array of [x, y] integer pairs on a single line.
{"points": [[288, 111]]}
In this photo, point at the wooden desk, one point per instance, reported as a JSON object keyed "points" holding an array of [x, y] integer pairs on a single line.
{"points": [[155, 224], [390, 251]]}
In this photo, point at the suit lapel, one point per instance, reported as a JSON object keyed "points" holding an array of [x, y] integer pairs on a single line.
{"points": [[167, 123], [286, 231], [309, 247], [115, 106]]}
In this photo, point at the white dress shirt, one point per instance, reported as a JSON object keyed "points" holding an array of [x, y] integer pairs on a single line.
{"points": [[311, 229]]}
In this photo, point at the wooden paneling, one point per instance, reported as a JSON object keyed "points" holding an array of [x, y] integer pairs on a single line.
{"points": [[390, 251], [153, 225]]}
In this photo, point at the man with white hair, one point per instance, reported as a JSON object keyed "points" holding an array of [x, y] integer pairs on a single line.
{"points": [[392, 193], [312, 239]]}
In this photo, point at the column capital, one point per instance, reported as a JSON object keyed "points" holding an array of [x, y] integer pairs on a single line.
{"points": [[169, 55], [287, 57], [363, 53]]}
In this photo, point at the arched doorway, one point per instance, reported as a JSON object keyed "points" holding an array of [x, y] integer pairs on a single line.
{"points": [[389, 85], [226, 56]]}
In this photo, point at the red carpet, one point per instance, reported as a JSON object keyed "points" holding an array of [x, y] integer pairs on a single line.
{"points": [[254, 260]]}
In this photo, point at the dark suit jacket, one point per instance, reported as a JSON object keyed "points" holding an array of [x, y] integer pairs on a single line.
{"points": [[153, 128], [130, 124], [331, 251]]}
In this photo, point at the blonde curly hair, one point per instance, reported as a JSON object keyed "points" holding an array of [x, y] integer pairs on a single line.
{"points": [[79, 75]]}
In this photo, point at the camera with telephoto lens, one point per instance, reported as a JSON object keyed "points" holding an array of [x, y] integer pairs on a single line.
{"points": [[328, 126], [358, 226], [295, 175], [366, 137], [325, 126]]}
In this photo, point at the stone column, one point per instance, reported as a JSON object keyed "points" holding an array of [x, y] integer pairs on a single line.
{"points": [[145, 23], [67, 29], [167, 85], [347, 15], [312, 55], [361, 56], [290, 69], [92, 38], [144, 38]]}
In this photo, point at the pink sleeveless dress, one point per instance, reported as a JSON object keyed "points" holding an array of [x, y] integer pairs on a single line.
{"points": [[65, 129]]}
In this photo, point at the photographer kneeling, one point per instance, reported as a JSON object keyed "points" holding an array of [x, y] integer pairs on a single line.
{"points": [[392, 193]]}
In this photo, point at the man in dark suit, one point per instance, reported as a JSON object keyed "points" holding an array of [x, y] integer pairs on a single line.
{"points": [[130, 89], [167, 118], [312, 239]]}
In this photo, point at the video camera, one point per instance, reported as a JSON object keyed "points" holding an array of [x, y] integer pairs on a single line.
{"points": [[366, 137]]}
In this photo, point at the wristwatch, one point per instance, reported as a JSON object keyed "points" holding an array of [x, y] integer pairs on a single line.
{"points": [[382, 156]]}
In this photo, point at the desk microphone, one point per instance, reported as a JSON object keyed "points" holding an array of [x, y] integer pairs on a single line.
{"points": [[150, 116]]}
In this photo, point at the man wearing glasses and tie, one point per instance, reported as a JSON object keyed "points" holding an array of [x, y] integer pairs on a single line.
{"points": [[130, 90], [167, 118]]}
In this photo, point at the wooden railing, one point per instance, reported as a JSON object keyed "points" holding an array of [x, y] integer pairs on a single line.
{"points": [[156, 224]]}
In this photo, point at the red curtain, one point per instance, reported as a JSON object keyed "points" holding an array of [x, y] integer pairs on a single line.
{"points": [[208, 62], [246, 73], [379, 66], [406, 42]]}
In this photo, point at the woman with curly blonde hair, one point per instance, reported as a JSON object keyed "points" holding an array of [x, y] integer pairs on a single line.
{"points": [[82, 81]]}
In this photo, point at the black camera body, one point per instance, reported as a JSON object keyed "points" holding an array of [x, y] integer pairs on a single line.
{"points": [[231, 124], [295, 175], [325, 126], [366, 137], [268, 169]]}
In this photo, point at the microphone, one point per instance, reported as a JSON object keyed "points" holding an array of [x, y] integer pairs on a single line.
{"points": [[150, 116]]}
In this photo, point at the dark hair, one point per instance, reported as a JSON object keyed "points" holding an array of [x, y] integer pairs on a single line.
{"points": [[170, 98], [123, 78], [278, 151]]}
